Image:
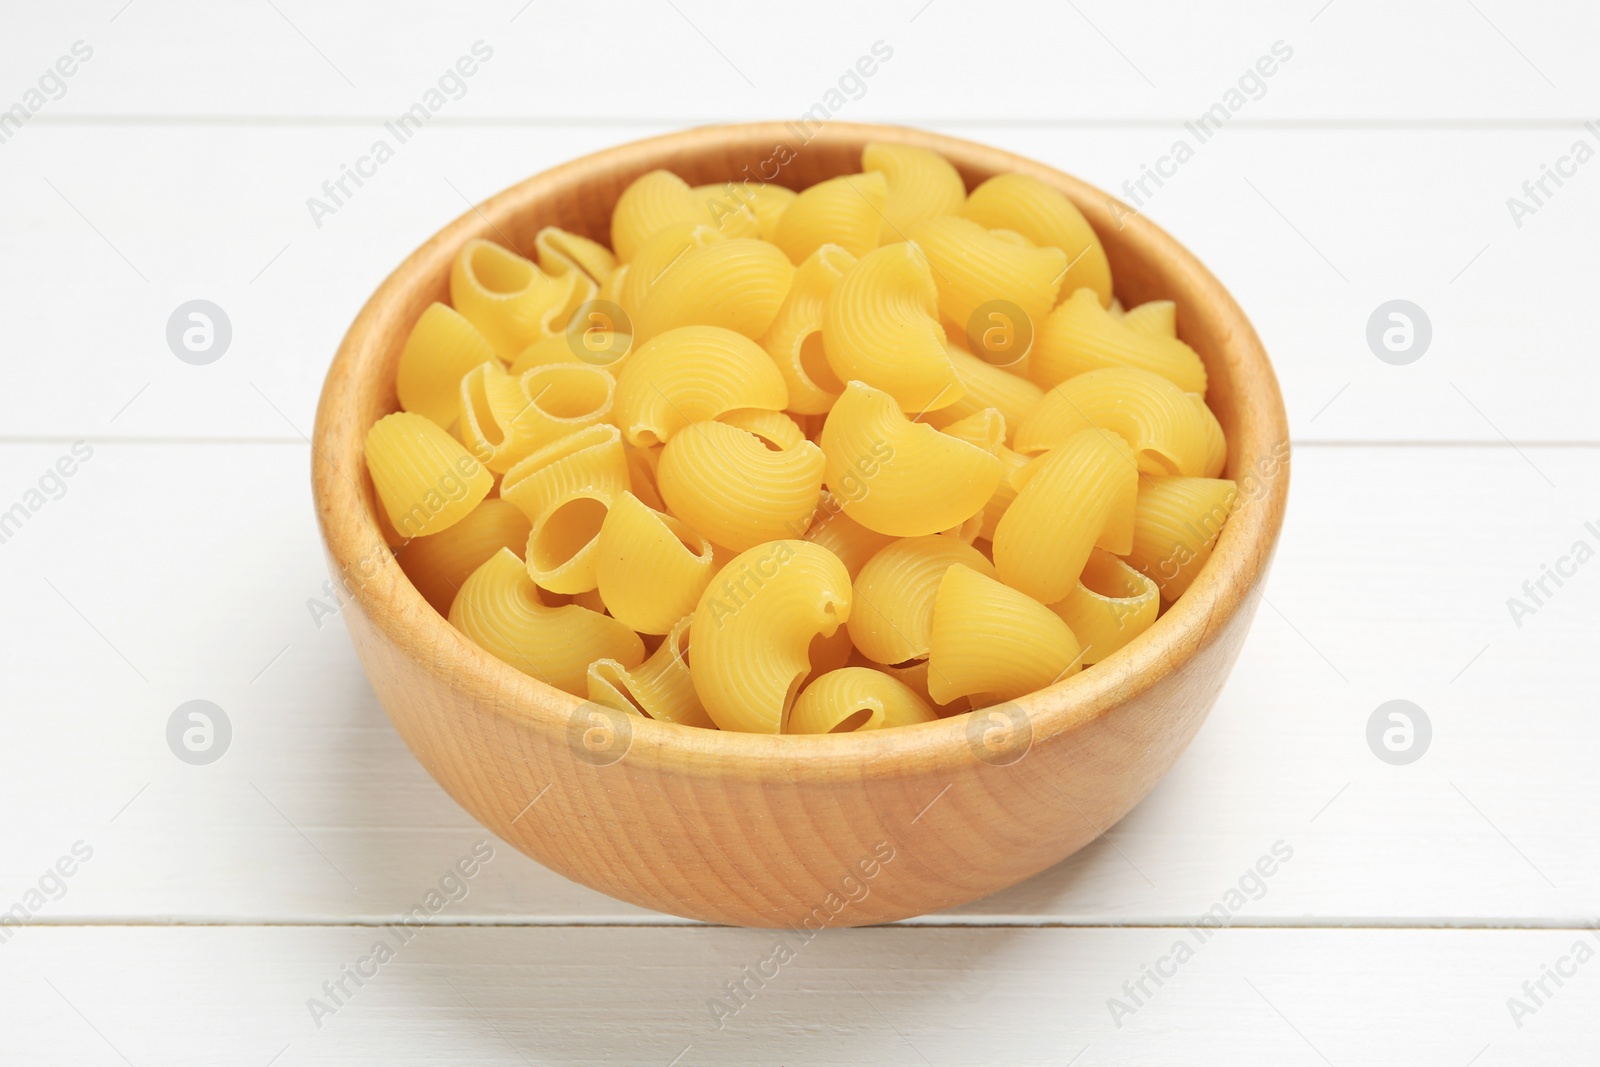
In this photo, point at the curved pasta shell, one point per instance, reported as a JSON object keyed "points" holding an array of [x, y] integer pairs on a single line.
{"points": [[880, 327], [1074, 498], [1171, 433], [972, 267], [1010, 464], [1028, 206], [729, 207], [987, 386], [846, 538], [439, 563], [691, 374], [727, 484], [1158, 318], [856, 698], [777, 429], [922, 185], [590, 460], [1175, 526], [660, 687], [753, 629], [440, 350], [652, 202], [1110, 606], [425, 480], [992, 641], [986, 429], [499, 609], [795, 341], [650, 568], [506, 417], [846, 211], [560, 251], [655, 259], [737, 284], [891, 619], [509, 299], [1080, 336], [901, 477]]}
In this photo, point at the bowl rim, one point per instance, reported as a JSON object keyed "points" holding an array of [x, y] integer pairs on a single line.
{"points": [[1227, 583]]}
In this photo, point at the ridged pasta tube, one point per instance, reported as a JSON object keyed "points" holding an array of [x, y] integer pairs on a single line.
{"points": [[425, 480], [922, 185], [505, 417], [500, 610], [729, 485], [1110, 606], [1028, 206], [853, 699], [795, 339], [1176, 524], [891, 619], [973, 266], [992, 642], [1077, 497], [901, 477], [1080, 336], [753, 630], [650, 203], [650, 567], [439, 563], [846, 211], [1171, 432], [691, 374], [660, 687], [440, 350], [738, 284], [561, 251], [509, 299]]}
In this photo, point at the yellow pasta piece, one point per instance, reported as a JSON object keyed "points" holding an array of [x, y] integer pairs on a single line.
{"points": [[856, 698], [897, 476], [769, 202], [440, 351], [590, 460], [777, 429], [987, 386], [1172, 432], [439, 563], [1158, 318], [737, 284], [655, 259], [794, 340], [729, 485], [1074, 498], [880, 327], [425, 480], [891, 619], [564, 543], [846, 211], [846, 538], [660, 687], [992, 642], [914, 676], [506, 417], [753, 630], [545, 352], [1044, 216], [651, 203], [973, 267], [1010, 464], [730, 211], [922, 185], [690, 374], [1110, 606], [1176, 524], [499, 609], [509, 299], [560, 251], [650, 568], [1080, 336]]}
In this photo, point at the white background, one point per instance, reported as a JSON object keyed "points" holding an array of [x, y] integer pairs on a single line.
{"points": [[179, 563]]}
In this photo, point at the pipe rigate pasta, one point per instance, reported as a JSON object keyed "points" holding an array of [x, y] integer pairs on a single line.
{"points": [[753, 630], [738, 284], [846, 211], [691, 374], [650, 567], [1171, 432], [1110, 606], [426, 481], [441, 348], [509, 299], [1080, 335], [856, 698], [660, 687], [993, 643], [499, 608], [795, 340], [921, 185], [1027, 206], [1175, 525], [891, 620], [973, 266], [731, 486], [438, 563], [652, 202]]}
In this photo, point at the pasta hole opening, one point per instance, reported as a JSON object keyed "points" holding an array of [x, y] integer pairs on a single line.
{"points": [[691, 541], [789, 697], [499, 271], [1106, 579], [814, 362], [1149, 457], [852, 722], [565, 531], [569, 393], [620, 685]]}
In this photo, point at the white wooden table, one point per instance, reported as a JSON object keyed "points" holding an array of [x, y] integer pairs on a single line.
{"points": [[180, 560]]}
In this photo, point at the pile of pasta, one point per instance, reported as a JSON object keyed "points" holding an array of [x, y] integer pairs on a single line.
{"points": [[853, 458]]}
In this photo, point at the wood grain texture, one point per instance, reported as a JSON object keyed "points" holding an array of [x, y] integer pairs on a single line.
{"points": [[762, 830]]}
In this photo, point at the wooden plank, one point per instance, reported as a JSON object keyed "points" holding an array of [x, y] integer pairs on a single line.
{"points": [[876, 995], [174, 572], [702, 60], [220, 213]]}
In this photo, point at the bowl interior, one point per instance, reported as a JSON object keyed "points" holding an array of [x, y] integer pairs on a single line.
{"points": [[578, 196]]}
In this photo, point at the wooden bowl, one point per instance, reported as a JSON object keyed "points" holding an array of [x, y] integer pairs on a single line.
{"points": [[795, 831]]}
